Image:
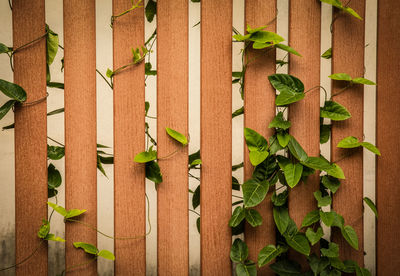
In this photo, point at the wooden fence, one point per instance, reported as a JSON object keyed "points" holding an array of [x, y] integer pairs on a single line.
{"points": [[216, 128]]}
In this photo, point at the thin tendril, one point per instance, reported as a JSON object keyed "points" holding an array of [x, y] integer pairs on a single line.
{"points": [[78, 265], [55, 141], [193, 211], [26, 259], [104, 78]]}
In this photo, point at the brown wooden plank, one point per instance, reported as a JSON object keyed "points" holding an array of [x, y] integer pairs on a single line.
{"points": [[387, 133], [305, 16], [129, 112], [348, 57], [216, 136], [30, 136], [80, 127], [259, 106], [172, 112]]}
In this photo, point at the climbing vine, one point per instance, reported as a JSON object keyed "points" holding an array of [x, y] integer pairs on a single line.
{"points": [[280, 163]]}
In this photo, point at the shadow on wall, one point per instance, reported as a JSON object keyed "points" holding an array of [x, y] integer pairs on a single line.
{"points": [[7, 250]]}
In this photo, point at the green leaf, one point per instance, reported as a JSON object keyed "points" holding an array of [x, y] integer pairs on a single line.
{"points": [[51, 193], [196, 198], [148, 71], [55, 152], [332, 251], [325, 132], [286, 267], [363, 81], [281, 218], [327, 54], [109, 73], [237, 166], [340, 76], [351, 236], [250, 30], [44, 229], [53, 177], [198, 224], [291, 88], [267, 254], [349, 142], [254, 140], [299, 243], [195, 162], [177, 136], [257, 157], [106, 255], [74, 213], [335, 3], [334, 111], [194, 156], [239, 251], [51, 45], [238, 112], [146, 156], [254, 192], [6, 107], [314, 237], [59, 209], [4, 49], [100, 166], [153, 172], [237, 216], [279, 199], [287, 49], [253, 217], [322, 200], [280, 122], [52, 237], [240, 37], [296, 150], [361, 271], [246, 270], [336, 171], [87, 247], [235, 184], [291, 230], [266, 37], [371, 148], [331, 183], [338, 220], [283, 138], [311, 218], [327, 218], [293, 174], [151, 10], [13, 91], [352, 12], [317, 265], [371, 205]]}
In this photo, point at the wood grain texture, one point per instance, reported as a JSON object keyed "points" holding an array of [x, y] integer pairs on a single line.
{"points": [[387, 134], [30, 136], [80, 128], [304, 115], [172, 112], [216, 136], [129, 128], [348, 57], [259, 110], [305, 26]]}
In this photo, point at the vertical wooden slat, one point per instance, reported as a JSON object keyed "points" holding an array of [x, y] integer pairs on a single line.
{"points": [[304, 115], [216, 136], [348, 57], [388, 132], [305, 26], [129, 112], [259, 99], [30, 135], [172, 112], [80, 127]]}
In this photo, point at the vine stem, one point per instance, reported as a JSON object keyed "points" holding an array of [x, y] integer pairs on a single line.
{"points": [[193, 211], [134, 6], [117, 238], [340, 91], [9, 3], [195, 177], [26, 259], [78, 265], [104, 78], [318, 86], [55, 141]]}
